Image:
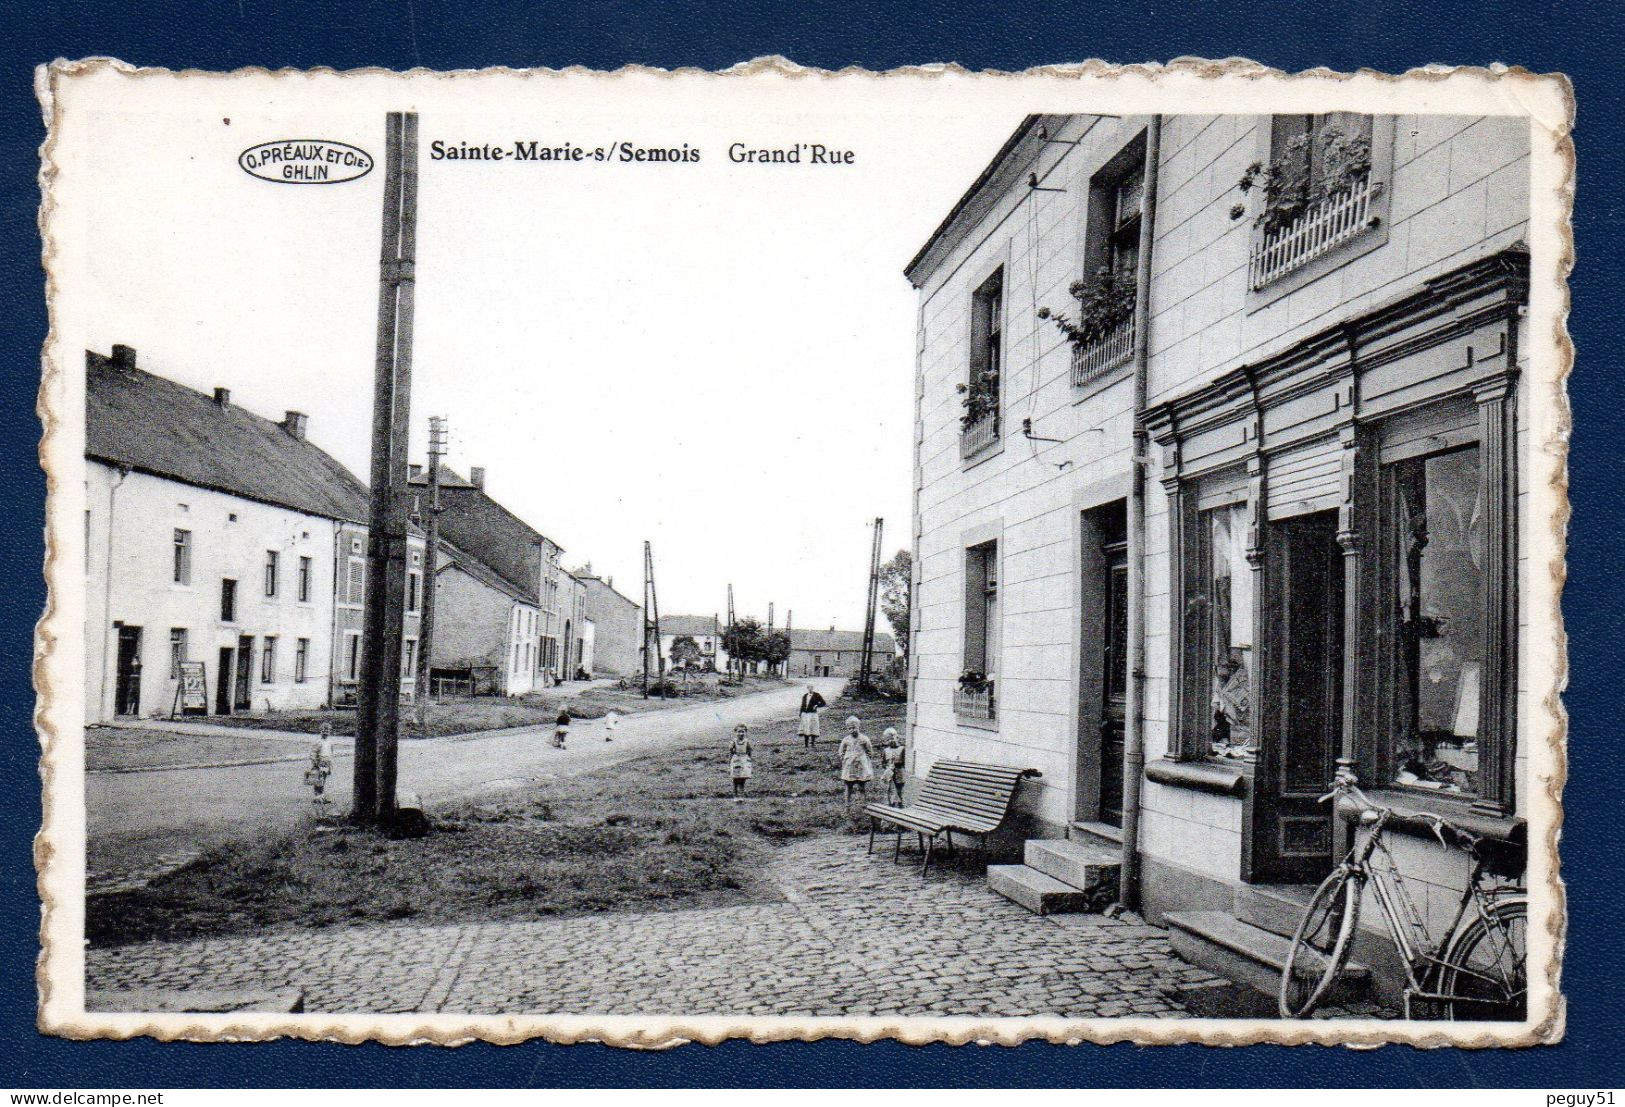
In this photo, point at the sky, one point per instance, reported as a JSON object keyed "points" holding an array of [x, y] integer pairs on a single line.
{"points": [[717, 357]]}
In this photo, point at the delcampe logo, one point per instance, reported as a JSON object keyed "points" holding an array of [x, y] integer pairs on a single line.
{"points": [[305, 161]]}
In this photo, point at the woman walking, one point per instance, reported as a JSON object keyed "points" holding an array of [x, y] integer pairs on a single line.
{"points": [[857, 760]]}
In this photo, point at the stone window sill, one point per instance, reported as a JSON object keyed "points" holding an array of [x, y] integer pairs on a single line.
{"points": [[1215, 777]]}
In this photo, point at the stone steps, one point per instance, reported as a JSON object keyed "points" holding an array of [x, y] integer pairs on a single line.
{"points": [[1250, 955], [1059, 875]]}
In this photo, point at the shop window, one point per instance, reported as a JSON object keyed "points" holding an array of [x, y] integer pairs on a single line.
{"points": [[1219, 666], [1435, 633]]}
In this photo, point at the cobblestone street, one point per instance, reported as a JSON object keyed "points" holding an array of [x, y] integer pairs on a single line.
{"points": [[855, 935]]}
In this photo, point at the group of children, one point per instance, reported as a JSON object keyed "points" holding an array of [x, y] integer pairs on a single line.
{"points": [[856, 755]]}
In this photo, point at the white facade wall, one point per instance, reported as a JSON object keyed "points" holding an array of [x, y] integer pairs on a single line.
{"points": [[1458, 190], [129, 528]]}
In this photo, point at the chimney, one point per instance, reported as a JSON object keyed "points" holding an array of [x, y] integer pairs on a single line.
{"points": [[414, 471], [476, 476], [294, 423], [123, 358], [222, 396]]}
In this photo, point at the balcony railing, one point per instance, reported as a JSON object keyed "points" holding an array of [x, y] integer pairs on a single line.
{"points": [[970, 704], [1320, 229], [1110, 350], [979, 436]]}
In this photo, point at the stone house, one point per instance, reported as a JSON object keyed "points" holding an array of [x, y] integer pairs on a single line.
{"points": [[1327, 568], [617, 625], [836, 653]]}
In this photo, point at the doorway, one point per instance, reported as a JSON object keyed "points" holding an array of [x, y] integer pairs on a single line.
{"points": [[1102, 664], [223, 679], [245, 665], [127, 696], [1300, 711]]}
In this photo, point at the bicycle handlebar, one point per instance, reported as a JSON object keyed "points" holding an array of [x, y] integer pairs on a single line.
{"points": [[1343, 785]]}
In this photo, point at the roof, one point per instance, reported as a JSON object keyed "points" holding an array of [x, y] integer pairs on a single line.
{"points": [[970, 195], [834, 640], [452, 557], [690, 624], [508, 546], [154, 425], [590, 579]]}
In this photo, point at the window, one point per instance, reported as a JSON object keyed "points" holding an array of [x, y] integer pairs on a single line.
{"points": [[271, 561], [304, 580], [1436, 635], [1321, 188], [980, 420], [974, 698], [409, 658], [355, 582], [515, 664], [183, 557], [177, 651], [414, 592], [352, 655], [1219, 664], [268, 660], [228, 601], [1123, 222], [301, 660]]}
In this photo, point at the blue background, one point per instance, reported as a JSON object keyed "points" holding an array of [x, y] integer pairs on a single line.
{"points": [[1582, 40]]}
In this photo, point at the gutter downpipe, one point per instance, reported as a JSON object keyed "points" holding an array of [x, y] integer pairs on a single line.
{"points": [[108, 662], [1134, 744]]}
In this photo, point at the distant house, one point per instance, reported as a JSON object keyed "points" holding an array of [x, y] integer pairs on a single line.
{"points": [[836, 652], [213, 536], [705, 631], [617, 626]]}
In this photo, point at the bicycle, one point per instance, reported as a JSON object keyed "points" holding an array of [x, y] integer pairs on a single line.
{"points": [[1475, 972]]}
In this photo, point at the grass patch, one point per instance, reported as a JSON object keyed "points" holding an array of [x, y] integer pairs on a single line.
{"points": [[655, 833], [113, 748]]}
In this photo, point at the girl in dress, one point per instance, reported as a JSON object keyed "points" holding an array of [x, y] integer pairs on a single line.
{"points": [[739, 765], [857, 760], [561, 728], [891, 759]]}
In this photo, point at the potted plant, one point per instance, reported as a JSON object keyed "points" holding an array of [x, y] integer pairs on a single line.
{"points": [[973, 681], [981, 398], [1105, 302], [1344, 163]]}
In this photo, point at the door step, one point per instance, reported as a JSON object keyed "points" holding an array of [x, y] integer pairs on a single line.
{"points": [[1096, 834], [1060, 876], [1277, 908], [1249, 955], [1038, 893]]}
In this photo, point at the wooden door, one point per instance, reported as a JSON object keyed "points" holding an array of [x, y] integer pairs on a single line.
{"points": [[1291, 832], [127, 697], [1114, 684]]}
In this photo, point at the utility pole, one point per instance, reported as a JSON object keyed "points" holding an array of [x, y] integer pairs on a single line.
{"points": [[869, 614], [379, 706], [790, 640], [651, 623], [732, 660], [431, 552]]}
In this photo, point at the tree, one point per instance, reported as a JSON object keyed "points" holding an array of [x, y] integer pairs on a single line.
{"points": [[685, 652], [897, 594], [743, 641], [775, 648]]}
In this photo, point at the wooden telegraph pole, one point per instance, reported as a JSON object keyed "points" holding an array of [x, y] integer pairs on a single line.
{"points": [[869, 615], [651, 624], [378, 711], [789, 638], [732, 660], [437, 450]]}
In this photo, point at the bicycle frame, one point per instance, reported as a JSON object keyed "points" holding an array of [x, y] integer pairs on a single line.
{"points": [[1421, 955]]}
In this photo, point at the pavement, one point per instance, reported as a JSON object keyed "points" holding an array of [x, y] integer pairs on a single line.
{"points": [[854, 935], [141, 824]]}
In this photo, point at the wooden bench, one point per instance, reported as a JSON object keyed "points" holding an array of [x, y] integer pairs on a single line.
{"points": [[957, 795]]}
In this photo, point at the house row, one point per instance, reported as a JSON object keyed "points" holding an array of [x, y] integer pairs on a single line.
{"points": [[813, 653], [1221, 489], [227, 552]]}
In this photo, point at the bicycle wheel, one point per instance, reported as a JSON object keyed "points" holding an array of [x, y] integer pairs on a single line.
{"points": [[1321, 946], [1483, 973]]}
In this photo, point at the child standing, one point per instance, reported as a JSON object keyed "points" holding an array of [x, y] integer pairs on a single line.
{"points": [[891, 755], [612, 719], [561, 728], [321, 767], [739, 763], [857, 760]]}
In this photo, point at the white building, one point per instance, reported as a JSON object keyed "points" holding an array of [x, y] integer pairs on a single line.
{"points": [[211, 536], [1329, 569]]}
